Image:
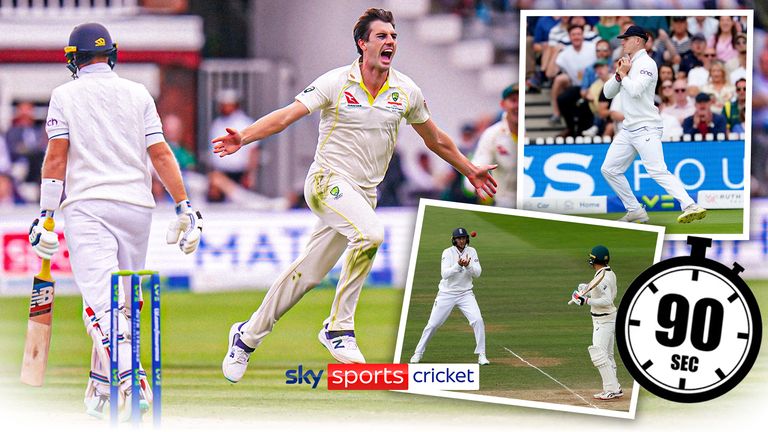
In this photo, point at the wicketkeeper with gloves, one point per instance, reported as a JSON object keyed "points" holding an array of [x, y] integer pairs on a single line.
{"points": [[599, 295], [101, 130]]}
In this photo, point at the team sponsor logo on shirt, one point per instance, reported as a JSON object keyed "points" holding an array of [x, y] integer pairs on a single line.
{"points": [[336, 192], [645, 72], [309, 89], [351, 101], [52, 122]]}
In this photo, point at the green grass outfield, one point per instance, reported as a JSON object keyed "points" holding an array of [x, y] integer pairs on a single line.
{"points": [[197, 397], [716, 222], [530, 267]]}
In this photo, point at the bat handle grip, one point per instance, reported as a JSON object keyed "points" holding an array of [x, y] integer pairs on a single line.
{"points": [[570, 301], [45, 271]]}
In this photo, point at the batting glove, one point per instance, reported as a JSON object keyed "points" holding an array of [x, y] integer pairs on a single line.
{"points": [[44, 242], [188, 225], [578, 298]]}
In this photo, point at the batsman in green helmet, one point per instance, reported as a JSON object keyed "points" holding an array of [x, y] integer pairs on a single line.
{"points": [[599, 294]]}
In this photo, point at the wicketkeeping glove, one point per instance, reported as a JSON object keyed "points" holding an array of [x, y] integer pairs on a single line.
{"points": [[578, 298], [44, 242], [188, 225]]}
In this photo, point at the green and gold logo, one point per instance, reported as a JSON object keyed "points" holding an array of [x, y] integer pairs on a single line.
{"points": [[336, 192], [395, 96]]}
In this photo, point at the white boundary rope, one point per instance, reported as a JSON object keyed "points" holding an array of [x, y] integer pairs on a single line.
{"points": [[553, 379]]}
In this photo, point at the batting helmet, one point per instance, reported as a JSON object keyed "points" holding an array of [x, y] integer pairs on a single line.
{"points": [[599, 255], [85, 42], [459, 232]]}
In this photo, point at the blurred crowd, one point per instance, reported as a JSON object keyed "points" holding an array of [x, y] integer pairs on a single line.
{"points": [[702, 71]]}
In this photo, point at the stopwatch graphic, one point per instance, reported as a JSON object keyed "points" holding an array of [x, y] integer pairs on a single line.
{"points": [[688, 328]]}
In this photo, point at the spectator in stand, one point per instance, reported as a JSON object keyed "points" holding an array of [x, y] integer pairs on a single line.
{"points": [[705, 25], [608, 28], [5, 156], [760, 122], [240, 169], [737, 66], [666, 95], [8, 194], [703, 120], [683, 104], [26, 142], [602, 51], [719, 86], [661, 51], [698, 77], [694, 57], [567, 72], [680, 38], [734, 109], [539, 50], [174, 130], [590, 35], [724, 40], [598, 103], [652, 24], [666, 73]]}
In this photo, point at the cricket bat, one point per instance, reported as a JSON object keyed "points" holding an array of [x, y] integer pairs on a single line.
{"points": [[586, 290], [39, 325]]}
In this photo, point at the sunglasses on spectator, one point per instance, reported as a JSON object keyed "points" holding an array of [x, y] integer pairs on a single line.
{"points": [[741, 89], [666, 87], [603, 50], [710, 55], [680, 90], [741, 41]]}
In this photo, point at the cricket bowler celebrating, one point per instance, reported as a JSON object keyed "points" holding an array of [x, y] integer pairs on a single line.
{"points": [[641, 130], [101, 130], [599, 294], [361, 106], [459, 264]]}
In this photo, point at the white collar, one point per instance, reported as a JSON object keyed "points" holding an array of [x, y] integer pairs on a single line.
{"points": [[94, 68]]}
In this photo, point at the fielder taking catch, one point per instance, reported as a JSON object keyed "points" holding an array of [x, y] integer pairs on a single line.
{"points": [[599, 294], [641, 131], [459, 264], [361, 106], [101, 130]]}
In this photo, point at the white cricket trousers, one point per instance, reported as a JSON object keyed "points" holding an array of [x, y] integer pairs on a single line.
{"points": [[603, 336], [625, 147], [347, 222], [441, 309], [103, 237]]}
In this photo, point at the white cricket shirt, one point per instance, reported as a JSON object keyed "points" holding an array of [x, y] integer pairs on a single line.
{"points": [[497, 145], [574, 63], [636, 92], [602, 295], [358, 131], [455, 278], [109, 122]]}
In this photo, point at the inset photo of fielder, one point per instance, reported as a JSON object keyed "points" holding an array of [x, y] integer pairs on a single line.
{"points": [[531, 297], [639, 119]]}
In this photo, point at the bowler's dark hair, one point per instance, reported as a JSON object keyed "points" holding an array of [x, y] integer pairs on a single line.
{"points": [[362, 28]]}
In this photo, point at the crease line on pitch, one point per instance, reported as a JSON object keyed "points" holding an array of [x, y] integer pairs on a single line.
{"points": [[552, 378]]}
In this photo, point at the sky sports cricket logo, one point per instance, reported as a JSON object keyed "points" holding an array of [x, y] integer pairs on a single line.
{"points": [[411, 377]]}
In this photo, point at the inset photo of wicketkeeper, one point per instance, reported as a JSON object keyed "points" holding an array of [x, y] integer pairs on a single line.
{"points": [[530, 296], [639, 118]]}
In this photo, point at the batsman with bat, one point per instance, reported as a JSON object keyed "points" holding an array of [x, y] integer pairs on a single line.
{"points": [[102, 132], [459, 264], [599, 295]]}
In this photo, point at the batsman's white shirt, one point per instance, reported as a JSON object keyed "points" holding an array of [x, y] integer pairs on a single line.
{"points": [[455, 278], [604, 292], [109, 122], [358, 131], [498, 145], [636, 92]]}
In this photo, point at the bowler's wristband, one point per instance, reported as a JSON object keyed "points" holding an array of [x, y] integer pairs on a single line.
{"points": [[618, 77]]}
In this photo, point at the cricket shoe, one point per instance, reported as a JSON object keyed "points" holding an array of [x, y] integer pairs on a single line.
{"points": [[341, 344], [127, 405], [236, 361], [608, 395], [482, 360], [691, 213], [415, 358], [639, 216]]}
